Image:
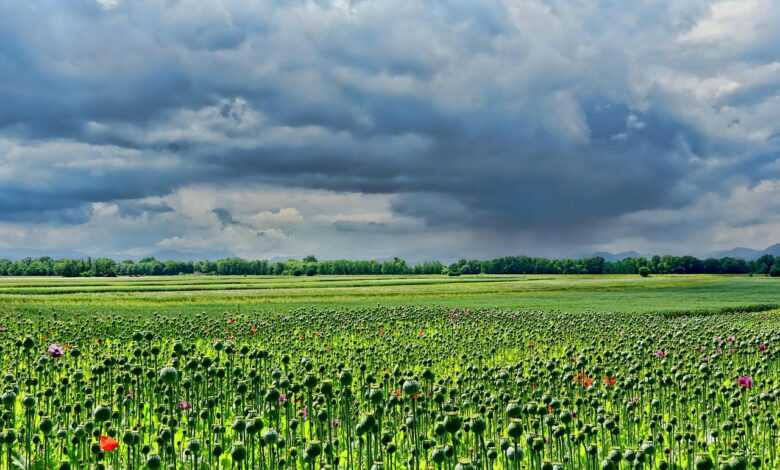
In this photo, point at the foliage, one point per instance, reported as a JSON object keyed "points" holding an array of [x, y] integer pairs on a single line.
{"points": [[390, 387], [310, 265]]}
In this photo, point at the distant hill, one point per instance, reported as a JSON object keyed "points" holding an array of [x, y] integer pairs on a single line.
{"points": [[617, 256], [749, 253]]}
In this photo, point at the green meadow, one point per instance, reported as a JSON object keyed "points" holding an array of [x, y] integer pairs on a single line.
{"points": [[573, 293]]}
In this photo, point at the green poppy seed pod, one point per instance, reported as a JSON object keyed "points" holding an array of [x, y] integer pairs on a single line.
{"points": [[608, 464], [345, 378], [46, 425], [270, 437], [10, 437], [28, 342], [411, 387], [565, 416], [514, 430], [313, 450], [310, 381], [153, 461], [452, 422], [9, 399], [755, 462], [239, 425], [738, 462], [438, 455], [703, 462], [376, 396], [29, 402], [478, 425], [169, 375], [193, 446], [253, 426], [272, 396], [64, 465], [101, 414], [95, 449], [513, 453], [238, 452], [538, 444], [326, 388], [513, 410]]}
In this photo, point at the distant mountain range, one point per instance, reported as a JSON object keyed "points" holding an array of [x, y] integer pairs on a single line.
{"points": [[748, 254], [617, 256]]}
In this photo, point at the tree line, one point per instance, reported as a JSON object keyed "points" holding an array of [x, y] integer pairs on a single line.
{"points": [[310, 266]]}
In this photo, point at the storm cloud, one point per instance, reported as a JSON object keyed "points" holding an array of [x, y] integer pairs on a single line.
{"points": [[494, 127]]}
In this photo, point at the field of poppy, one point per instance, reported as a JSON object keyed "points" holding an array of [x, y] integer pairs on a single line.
{"points": [[389, 386]]}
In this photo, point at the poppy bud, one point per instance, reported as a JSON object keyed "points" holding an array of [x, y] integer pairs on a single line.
{"points": [[270, 437], [101, 413], [29, 402], [169, 375], [153, 461]]}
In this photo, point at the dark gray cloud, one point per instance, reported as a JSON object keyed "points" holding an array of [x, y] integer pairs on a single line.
{"points": [[492, 118]]}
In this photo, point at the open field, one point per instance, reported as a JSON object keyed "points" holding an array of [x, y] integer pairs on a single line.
{"points": [[546, 292], [455, 373]]}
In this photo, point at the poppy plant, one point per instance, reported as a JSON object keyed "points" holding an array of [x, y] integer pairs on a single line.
{"points": [[609, 381], [55, 350], [583, 379], [108, 443], [745, 381]]}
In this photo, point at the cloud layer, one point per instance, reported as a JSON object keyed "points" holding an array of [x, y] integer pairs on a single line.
{"points": [[382, 127]]}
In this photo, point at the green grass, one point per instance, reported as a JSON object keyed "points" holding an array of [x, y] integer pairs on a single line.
{"points": [[546, 292]]}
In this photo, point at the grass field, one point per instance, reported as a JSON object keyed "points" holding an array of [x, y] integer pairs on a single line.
{"points": [[544, 292]]}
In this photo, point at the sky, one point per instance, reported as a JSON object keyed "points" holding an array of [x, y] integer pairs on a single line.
{"points": [[377, 128]]}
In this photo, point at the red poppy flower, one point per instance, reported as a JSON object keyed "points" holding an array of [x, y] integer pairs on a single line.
{"points": [[108, 444], [583, 379], [609, 380]]}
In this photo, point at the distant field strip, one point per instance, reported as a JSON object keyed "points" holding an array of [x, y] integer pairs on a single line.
{"points": [[697, 293]]}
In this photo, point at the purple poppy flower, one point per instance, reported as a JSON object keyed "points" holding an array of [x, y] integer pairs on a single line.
{"points": [[745, 381], [660, 354], [282, 399], [184, 405], [762, 347], [55, 350]]}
